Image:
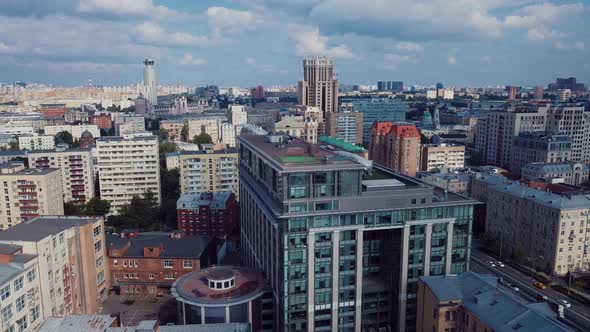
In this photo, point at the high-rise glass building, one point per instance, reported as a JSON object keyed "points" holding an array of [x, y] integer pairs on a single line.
{"points": [[343, 247], [149, 81], [379, 110]]}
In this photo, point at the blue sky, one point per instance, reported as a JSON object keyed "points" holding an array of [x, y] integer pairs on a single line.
{"points": [[249, 42]]}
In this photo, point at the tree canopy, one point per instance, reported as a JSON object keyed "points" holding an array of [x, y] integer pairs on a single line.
{"points": [[64, 137], [94, 207], [184, 133], [202, 138], [141, 213]]}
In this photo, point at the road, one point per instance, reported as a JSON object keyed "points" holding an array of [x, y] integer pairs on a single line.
{"points": [[578, 315]]}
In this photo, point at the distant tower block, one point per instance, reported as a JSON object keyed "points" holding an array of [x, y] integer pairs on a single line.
{"points": [[149, 81]]}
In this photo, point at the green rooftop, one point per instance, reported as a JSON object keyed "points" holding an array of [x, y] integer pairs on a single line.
{"points": [[344, 145], [297, 159]]}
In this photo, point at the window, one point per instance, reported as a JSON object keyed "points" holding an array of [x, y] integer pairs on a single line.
{"points": [[18, 284], [97, 246], [151, 276], [169, 276], [124, 263], [187, 264], [96, 230], [20, 303], [115, 262], [5, 293], [22, 324], [61, 238], [99, 262], [35, 313], [31, 275], [168, 264], [6, 313], [100, 278]]}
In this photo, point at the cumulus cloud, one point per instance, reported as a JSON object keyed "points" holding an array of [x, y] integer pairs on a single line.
{"points": [[75, 66], [250, 61], [127, 8], [541, 20], [409, 47], [224, 20], [394, 60], [188, 59], [309, 42], [487, 59], [153, 34], [452, 60], [579, 45]]}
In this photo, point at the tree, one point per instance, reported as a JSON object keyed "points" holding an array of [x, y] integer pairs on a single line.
{"points": [[424, 139], [170, 184], [162, 134], [13, 146], [202, 138], [184, 133], [73, 209], [141, 213], [97, 207], [64, 137]]}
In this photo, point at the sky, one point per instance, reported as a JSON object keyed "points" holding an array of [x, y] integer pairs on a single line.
{"points": [[251, 42]]}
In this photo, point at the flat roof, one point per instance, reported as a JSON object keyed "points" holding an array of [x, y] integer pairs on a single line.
{"points": [[81, 323], [183, 247], [41, 227]]}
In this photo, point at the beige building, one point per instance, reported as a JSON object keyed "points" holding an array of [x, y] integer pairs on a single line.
{"points": [[299, 126], [442, 156], [473, 302], [71, 266], [75, 130], [539, 147], [319, 87], [20, 300], [127, 166], [549, 227], [206, 125], [345, 125], [36, 142], [572, 120], [174, 128], [28, 193], [209, 170], [76, 171], [396, 146]]}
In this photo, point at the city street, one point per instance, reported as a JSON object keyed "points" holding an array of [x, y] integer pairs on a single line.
{"points": [[578, 315]]}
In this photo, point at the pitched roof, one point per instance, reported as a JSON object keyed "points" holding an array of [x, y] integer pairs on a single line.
{"points": [[382, 127], [41, 227], [183, 247]]}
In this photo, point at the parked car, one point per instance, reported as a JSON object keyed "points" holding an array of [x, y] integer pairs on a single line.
{"points": [[539, 285], [565, 303], [500, 264]]}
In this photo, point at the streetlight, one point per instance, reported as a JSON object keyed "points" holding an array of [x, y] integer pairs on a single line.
{"points": [[532, 260]]}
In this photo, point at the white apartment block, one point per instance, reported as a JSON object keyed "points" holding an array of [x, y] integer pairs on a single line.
{"points": [[16, 129], [203, 171], [127, 166], [20, 294], [237, 115], [76, 171], [442, 156], [71, 264], [127, 124], [75, 130], [206, 125], [36, 142], [27, 193]]}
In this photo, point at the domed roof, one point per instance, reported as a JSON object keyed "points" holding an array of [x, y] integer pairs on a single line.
{"points": [[426, 120], [86, 133]]}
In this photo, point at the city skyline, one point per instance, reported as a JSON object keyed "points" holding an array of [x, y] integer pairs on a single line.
{"points": [[247, 43]]}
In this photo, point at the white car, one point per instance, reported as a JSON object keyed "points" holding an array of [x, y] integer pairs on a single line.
{"points": [[513, 287], [565, 303], [500, 264]]}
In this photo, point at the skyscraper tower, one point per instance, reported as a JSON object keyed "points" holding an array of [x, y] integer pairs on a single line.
{"points": [[319, 88], [436, 119], [149, 81]]}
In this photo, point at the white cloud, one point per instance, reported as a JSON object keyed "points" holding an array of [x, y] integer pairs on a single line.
{"points": [[540, 20], [451, 60], [127, 8], [75, 66], [409, 47], [309, 42], [153, 34], [394, 60], [486, 59], [250, 61], [579, 45], [224, 20], [188, 59]]}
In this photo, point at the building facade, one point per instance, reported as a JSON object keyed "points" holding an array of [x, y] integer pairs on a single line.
{"points": [[72, 272], [572, 120], [28, 193], [36, 142], [343, 252], [77, 175], [75, 130], [208, 171], [379, 110], [127, 166], [347, 126], [150, 89], [319, 87], [102, 119], [174, 128], [441, 156], [572, 173], [213, 214], [396, 146]]}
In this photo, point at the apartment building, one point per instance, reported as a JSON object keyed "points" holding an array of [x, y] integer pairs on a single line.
{"points": [[343, 249], [208, 170], [36, 142], [71, 264], [174, 128], [395, 145], [566, 172], [478, 303], [75, 130], [539, 147], [127, 166], [212, 214], [76, 171], [345, 125], [148, 263], [573, 121], [28, 193], [205, 124], [494, 135], [441, 156], [102, 119], [20, 300], [545, 224]]}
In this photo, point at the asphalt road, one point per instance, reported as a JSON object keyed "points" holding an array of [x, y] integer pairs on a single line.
{"points": [[578, 315]]}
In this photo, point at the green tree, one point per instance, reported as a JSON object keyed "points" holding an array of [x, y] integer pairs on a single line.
{"points": [[141, 213], [162, 134], [424, 139], [64, 137], [202, 138], [97, 207], [13, 146], [184, 133], [170, 184], [73, 209]]}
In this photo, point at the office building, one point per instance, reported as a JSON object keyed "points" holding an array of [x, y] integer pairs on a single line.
{"points": [[127, 166], [71, 267], [479, 302], [564, 94], [77, 175], [572, 120], [36, 142], [572, 173], [395, 145], [128, 124], [319, 87], [75, 130], [102, 119], [511, 92], [379, 110], [150, 91], [112, 323], [494, 136], [257, 92], [29, 193], [212, 214], [20, 306], [538, 92], [539, 147], [567, 83], [148, 263], [394, 86], [350, 246], [454, 182], [225, 294], [539, 222], [208, 171], [347, 126], [442, 156]]}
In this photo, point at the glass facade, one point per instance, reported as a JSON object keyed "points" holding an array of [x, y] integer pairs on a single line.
{"points": [[379, 110]]}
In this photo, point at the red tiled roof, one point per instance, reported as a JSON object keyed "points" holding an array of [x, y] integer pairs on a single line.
{"points": [[382, 127], [405, 130]]}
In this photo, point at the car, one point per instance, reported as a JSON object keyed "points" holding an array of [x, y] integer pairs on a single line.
{"points": [[513, 287], [541, 297], [565, 303], [500, 264], [539, 285]]}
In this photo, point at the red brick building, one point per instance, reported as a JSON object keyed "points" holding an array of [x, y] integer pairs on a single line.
{"points": [[213, 214], [395, 145], [102, 120], [148, 263], [53, 112]]}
